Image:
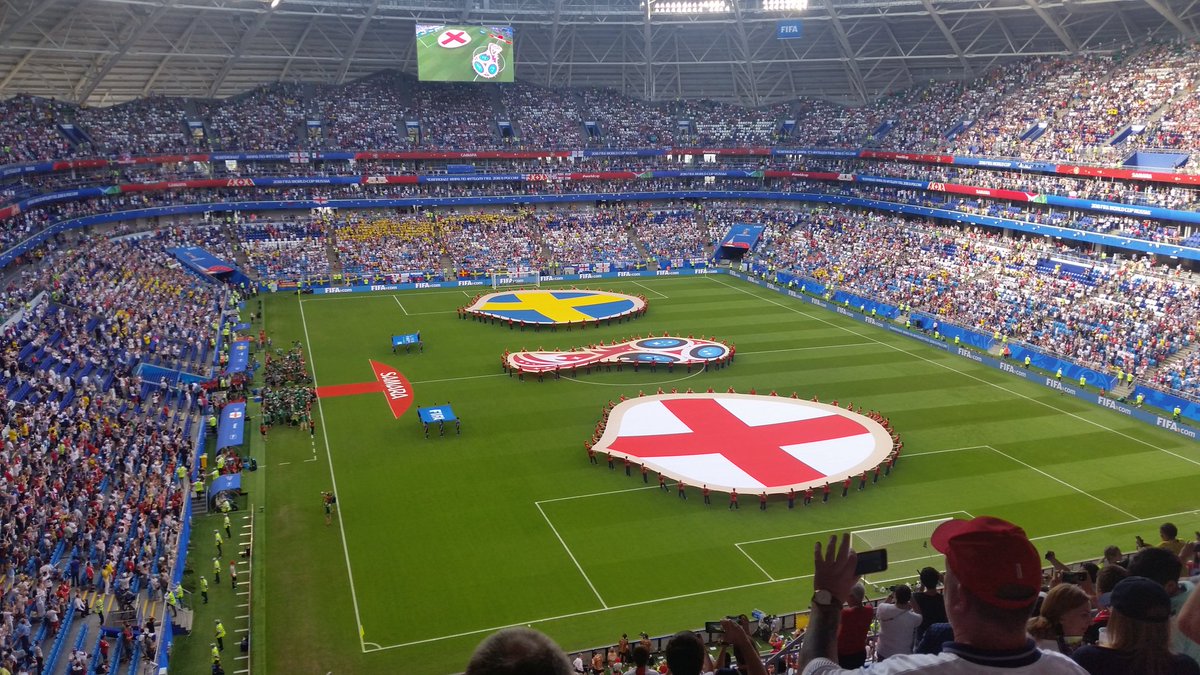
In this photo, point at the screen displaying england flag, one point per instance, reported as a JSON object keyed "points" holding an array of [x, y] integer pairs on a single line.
{"points": [[465, 53]]}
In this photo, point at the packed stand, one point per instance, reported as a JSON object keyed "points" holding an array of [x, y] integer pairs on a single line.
{"points": [[1134, 89], [266, 118], [29, 130], [148, 126], [1037, 91], [368, 114], [1109, 316], [589, 241], [455, 116], [279, 251], [676, 238], [398, 247], [544, 118], [479, 242], [90, 465], [627, 122]]}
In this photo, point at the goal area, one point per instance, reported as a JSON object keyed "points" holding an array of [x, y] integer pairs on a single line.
{"points": [[907, 545], [503, 278]]}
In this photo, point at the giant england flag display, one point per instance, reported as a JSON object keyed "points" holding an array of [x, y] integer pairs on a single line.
{"points": [[745, 442]]}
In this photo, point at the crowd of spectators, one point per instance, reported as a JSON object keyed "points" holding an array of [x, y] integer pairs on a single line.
{"points": [[1115, 95], [147, 126], [267, 118], [29, 129], [627, 122], [90, 455], [371, 113], [491, 241], [397, 246], [676, 237], [585, 240], [1082, 101], [1116, 315], [456, 116], [285, 249], [716, 123], [543, 117]]}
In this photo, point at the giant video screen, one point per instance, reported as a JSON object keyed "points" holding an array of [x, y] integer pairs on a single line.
{"points": [[464, 53]]}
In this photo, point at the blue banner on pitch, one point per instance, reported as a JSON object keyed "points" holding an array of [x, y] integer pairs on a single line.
{"points": [[403, 340], [239, 357], [437, 413], [231, 431], [242, 327]]}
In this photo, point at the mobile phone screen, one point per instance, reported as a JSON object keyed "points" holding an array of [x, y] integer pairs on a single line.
{"points": [[870, 562]]}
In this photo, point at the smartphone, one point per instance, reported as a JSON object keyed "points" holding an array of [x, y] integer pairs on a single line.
{"points": [[713, 627], [870, 562], [1074, 577]]}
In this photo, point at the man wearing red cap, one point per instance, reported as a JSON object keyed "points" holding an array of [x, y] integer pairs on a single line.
{"points": [[993, 576]]}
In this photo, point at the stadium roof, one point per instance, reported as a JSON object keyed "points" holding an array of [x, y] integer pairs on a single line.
{"points": [[104, 52]]}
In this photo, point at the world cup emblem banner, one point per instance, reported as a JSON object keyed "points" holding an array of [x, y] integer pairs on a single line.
{"points": [[554, 307], [746, 442], [650, 351]]}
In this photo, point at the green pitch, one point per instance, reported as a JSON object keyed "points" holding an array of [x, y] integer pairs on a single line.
{"points": [[439, 542], [465, 54]]}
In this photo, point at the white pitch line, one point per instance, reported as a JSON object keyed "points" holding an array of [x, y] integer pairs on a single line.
{"points": [[1127, 522], [684, 596], [572, 555], [753, 562], [635, 384], [850, 528], [805, 349], [961, 372], [397, 299], [660, 294], [939, 452], [333, 479], [596, 494], [457, 379], [1061, 481]]}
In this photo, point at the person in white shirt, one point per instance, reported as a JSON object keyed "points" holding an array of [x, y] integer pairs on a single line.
{"points": [[897, 623]]}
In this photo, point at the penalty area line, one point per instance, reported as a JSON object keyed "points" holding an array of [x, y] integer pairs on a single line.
{"points": [[572, 555], [660, 294], [642, 603], [397, 299]]}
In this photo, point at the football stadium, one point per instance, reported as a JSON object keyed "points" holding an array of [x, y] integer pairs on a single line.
{"points": [[559, 337]]}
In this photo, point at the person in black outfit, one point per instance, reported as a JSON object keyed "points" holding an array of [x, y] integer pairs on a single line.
{"points": [[929, 601]]}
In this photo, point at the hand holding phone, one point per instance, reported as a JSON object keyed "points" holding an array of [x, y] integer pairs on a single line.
{"points": [[870, 562]]}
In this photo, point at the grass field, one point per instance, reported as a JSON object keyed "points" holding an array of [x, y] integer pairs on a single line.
{"points": [[438, 542]]}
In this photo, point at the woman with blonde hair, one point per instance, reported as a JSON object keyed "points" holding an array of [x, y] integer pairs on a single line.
{"points": [[1064, 616], [1137, 635]]}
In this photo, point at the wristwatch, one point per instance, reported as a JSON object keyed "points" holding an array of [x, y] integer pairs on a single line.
{"points": [[823, 598]]}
